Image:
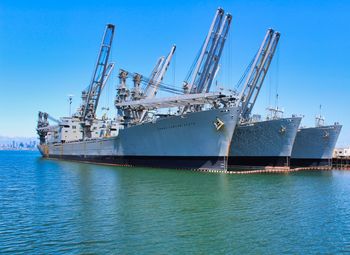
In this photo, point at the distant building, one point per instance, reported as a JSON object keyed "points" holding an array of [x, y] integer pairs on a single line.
{"points": [[341, 152], [18, 144]]}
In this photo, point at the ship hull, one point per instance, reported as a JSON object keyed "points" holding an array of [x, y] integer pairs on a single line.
{"points": [[177, 162], [191, 141], [263, 144], [314, 146]]}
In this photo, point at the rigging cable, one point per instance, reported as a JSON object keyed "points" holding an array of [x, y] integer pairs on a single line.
{"points": [[277, 76], [162, 86], [174, 67], [244, 75], [190, 71]]}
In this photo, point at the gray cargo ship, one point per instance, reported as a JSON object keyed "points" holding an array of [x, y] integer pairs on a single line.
{"points": [[314, 146], [263, 144], [186, 141], [258, 144], [194, 132]]}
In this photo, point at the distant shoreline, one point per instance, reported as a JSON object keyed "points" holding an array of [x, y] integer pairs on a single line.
{"points": [[24, 149]]}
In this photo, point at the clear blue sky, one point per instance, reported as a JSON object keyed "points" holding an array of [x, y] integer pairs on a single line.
{"points": [[48, 50]]}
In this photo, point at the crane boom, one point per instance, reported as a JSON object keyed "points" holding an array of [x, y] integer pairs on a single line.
{"points": [[208, 61], [254, 70], [153, 85], [215, 57], [265, 68], [95, 87], [206, 52], [155, 70], [106, 76], [258, 72], [157, 77]]}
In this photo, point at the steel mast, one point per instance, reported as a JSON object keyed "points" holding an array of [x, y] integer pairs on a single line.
{"points": [[100, 75], [149, 92], [157, 78], [201, 78], [190, 85], [257, 73], [211, 64], [155, 72], [153, 85]]}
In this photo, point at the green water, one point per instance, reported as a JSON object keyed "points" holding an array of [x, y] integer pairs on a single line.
{"points": [[56, 207]]}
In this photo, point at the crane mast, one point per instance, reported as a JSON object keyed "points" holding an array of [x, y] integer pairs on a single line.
{"points": [[208, 62], [103, 80], [264, 70], [157, 78], [154, 73], [205, 56], [149, 92], [99, 78], [153, 85], [95, 87], [212, 66], [251, 79], [257, 73], [106, 76]]}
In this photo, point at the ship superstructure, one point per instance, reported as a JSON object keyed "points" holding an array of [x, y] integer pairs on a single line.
{"points": [[195, 133], [314, 146]]}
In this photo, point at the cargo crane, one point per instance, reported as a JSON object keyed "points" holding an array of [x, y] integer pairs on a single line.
{"points": [[43, 126], [206, 66], [257, 73], [200, 79], [137, 80], [148, 92], [100, 76], [157, 78]]}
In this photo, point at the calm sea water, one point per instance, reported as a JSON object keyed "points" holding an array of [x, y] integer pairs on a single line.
{"points": [[56, 207]]}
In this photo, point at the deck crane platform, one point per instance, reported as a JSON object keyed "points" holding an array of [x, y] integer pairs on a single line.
{"points": [[100, 76], [257, 73]]}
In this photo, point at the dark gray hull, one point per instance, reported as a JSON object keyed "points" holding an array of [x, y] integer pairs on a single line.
{"points": [[176, 162], [314, 146], [263, 144], [190, 141]]}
